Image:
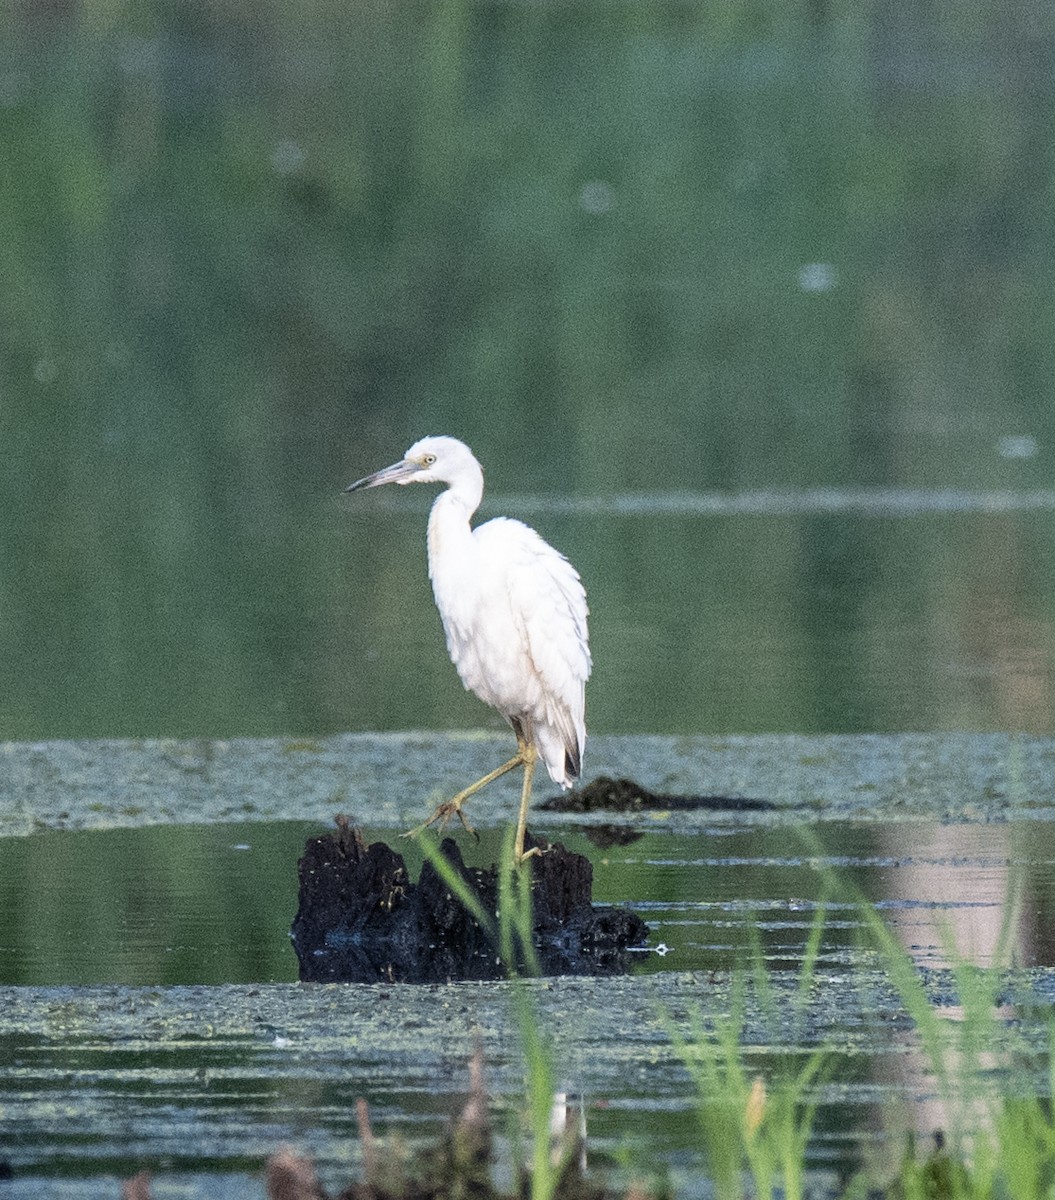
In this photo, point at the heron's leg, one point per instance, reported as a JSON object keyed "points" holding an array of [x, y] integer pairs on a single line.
{"points": [[530, 756], [453, 806]]}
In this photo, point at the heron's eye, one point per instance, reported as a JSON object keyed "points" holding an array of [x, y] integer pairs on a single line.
{"points": [[428, 459]]}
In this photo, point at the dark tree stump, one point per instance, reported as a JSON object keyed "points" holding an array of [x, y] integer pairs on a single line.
{"points": [[361, 919]]}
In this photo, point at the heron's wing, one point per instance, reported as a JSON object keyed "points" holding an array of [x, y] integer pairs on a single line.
{"points": [[548, 604]]}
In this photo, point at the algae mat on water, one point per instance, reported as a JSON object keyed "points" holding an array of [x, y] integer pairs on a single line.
{"points": [[395, 776], [194, 1081]]}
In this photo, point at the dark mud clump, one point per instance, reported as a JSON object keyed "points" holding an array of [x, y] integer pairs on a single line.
{"points": [[625, 796], [362, 920]]}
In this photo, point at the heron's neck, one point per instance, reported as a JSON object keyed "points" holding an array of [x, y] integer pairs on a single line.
{"points": [[451, 546]]}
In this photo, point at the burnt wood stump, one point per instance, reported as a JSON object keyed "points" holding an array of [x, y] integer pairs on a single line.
{"points": [[362, 920]]}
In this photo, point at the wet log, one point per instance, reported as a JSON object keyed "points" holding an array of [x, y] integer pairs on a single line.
{"points": [[362, 920]]}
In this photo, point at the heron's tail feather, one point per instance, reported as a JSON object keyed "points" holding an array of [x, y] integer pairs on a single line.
{"points": [[560, 749], [572, 763]]}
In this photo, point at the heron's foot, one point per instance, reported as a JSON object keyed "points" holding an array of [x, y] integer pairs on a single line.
{"points": [[519, 860], [443, 814], [520, 855]]}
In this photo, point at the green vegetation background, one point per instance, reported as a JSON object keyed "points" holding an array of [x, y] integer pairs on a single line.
{"points": [[250, 251]]}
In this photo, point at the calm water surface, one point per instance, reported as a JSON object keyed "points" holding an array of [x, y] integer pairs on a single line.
{"points": [[213, 904]]}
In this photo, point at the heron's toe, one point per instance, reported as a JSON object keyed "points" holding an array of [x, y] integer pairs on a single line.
{"points": [[442, 816], [446, 811]]}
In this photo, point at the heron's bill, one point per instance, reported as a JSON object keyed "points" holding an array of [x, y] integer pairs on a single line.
{"points": [[400, 472]]}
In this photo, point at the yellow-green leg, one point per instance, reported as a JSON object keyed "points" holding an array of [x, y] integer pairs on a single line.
{"points": [[530, 757], [453, 807]]}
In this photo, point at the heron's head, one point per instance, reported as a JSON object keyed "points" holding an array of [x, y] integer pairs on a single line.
{"points": [[430, 460]]}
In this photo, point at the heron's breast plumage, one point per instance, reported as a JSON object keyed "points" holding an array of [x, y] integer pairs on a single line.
{"points": [[515, 616]]}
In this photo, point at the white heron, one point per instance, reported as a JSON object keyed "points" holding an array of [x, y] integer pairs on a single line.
{"points": [[514, 612]]}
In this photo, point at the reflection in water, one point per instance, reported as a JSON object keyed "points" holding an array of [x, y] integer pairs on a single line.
{"points": [[947, 913], [1012, 648], [948, 898]]}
